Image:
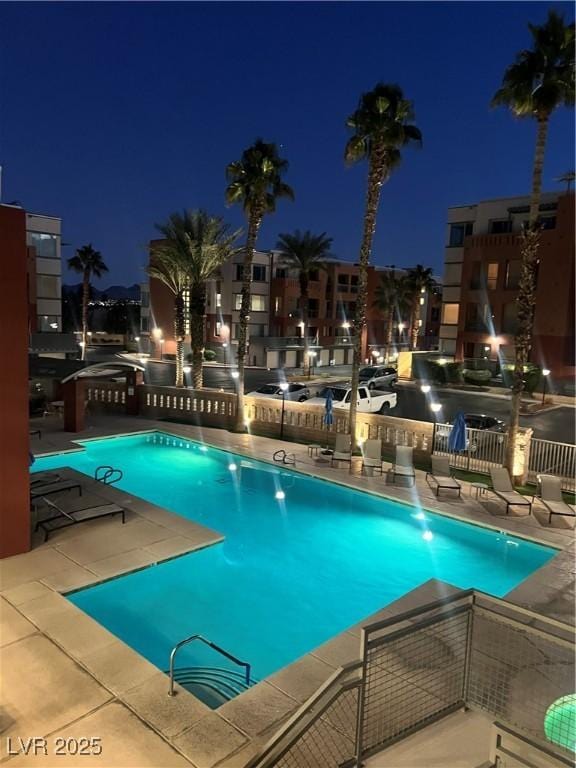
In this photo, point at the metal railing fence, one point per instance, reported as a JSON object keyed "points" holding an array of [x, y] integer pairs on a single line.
{"points": [[550, 458], [468, 649], [484, 448]]}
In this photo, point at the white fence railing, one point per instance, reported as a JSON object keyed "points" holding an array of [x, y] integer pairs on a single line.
{"points": [[484, 448], [550, 458]]}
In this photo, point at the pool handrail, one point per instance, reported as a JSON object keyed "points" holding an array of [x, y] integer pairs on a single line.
{"points": [[217, 648]]}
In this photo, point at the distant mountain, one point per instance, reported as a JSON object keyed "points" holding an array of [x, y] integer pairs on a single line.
{"points": [[131, 292]]}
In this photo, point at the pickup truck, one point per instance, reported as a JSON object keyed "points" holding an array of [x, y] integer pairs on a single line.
{"points": [[369, 401]]}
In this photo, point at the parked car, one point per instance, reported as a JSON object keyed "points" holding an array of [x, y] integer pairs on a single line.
{"points": [[369, 401], [378, 375], [477, 421], [296, 393]]}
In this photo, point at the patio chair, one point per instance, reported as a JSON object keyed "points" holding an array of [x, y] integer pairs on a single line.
{"points": [[503, 488], [43, 478], [73, 514], [342, 449], [403, 465], [551, 497], [372, 455], [38, 490], [441, 474]]}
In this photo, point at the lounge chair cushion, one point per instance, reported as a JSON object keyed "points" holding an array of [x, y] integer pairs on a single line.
{"points": [[513, 497], [559, 508]]}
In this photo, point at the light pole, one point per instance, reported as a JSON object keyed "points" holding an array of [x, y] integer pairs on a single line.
{"points": [[545, 373], [311, 356], [284, 388]]}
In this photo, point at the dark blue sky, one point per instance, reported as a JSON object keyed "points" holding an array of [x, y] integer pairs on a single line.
{"points": [[115, 115]]}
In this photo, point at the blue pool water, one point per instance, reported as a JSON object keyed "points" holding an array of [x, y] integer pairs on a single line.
{"points": [[293, 571]]}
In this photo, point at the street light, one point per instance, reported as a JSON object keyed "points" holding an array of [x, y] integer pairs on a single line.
{"points": [[284, 387], [435, 408], [425, 388], [545, 373]]}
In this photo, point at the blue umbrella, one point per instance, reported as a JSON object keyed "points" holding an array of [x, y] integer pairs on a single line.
{"points": [[457, 436], [328, 415]]}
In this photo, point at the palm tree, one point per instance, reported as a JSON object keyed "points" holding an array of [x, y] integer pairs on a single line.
{"points": [[382, 125], [169, 265], [568, 179], [255, 181], [419, 281], [535, 85], [391, 298], [194, 248], [306, 253], [88, 263]]}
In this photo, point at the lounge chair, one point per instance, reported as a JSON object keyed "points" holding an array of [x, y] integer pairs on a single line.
{"points": [[503, 488], [441, 474], [372, 455], [43, 478], [403, 465], [342, 449], [66, 514], [551, 497], [38, 490]]}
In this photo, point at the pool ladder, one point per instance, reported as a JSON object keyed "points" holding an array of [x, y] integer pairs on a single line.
{"points": [[210, 677]]}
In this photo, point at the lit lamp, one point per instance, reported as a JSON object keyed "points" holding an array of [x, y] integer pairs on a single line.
{"points": [[284, 387], [545, 373], [435, 408], [136, 339], [425, 389]]}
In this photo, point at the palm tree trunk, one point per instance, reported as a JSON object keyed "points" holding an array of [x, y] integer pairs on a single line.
{"points": [[179, 327], [304, 312], [197, 320], [85, 300], [529, 244], [376, 175], [414, 323], [389, 332], [254, 222]]}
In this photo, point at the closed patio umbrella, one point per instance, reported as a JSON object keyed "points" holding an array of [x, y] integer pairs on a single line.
{"points": [[457, 436]]}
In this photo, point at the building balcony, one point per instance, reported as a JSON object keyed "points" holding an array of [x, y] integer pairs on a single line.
{"points": [[508, 240]]}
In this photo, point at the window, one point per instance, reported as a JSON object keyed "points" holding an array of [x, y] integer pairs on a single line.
{"points": [[510, 317], [492, 276], [513, 269], [314, 276], [46, 246], [239, 272], [354, 283], [458, 232], [47, 287], [450, 314], [218, 328], [145, 324], [313, 307], [548, 222], [256, 330], [257, 302], [362, 393], [476, 279], [259, 273], [500, 227], [281, 272], [48, 323], [476, 317], [145, 299], [342, 282]]}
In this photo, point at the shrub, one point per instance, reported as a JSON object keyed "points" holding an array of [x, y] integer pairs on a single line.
{"points": [[209, 355], [430, 371], [532, 376], [476, 377], [453, 373]]}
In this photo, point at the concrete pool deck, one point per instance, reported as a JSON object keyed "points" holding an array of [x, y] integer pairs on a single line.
{"points": [[64, 675]]}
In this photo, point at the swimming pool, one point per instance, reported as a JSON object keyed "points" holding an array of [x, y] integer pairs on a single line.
{"points": [[303, 559]]}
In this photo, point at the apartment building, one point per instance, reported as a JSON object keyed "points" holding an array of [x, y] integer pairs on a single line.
{"points": [[276, 332], [43, 241], [223, 300], [481, 275]]}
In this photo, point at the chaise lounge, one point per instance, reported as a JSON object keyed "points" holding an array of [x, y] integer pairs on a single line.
{"points": [[342, 449], [66, 514], [503, 488], [441, 474], [372, 455], [551, 497]]}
